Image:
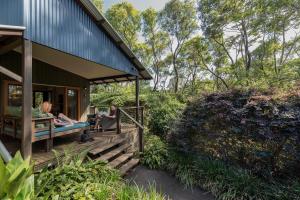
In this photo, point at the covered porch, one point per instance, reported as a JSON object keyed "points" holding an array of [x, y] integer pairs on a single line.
{"points": [[29, 77]]}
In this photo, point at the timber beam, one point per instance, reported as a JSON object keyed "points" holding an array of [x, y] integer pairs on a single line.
{"points": [[11, 74]]}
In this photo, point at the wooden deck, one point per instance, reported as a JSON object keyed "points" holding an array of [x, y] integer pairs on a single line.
{"points": [[72, 146], [69, 144]]}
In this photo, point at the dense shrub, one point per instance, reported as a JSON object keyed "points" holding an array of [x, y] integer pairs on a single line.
{"points": [[222, 180], [163, 110], [256, 131], [91, 180], [155, 153]]}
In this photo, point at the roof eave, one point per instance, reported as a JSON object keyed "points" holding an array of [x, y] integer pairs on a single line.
{"points": [[103, 22]]}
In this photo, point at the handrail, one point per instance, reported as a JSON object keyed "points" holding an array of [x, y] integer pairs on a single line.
{"points": [[4, 153], [131, 118], [131, 107]]}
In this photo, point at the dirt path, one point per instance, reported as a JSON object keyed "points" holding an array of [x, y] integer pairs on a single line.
{"points": [[166, 184]]}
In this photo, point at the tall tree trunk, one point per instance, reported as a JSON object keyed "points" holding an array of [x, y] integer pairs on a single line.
{"points": [[283, 45], [246, 44], [274, 55], [176, 86]]}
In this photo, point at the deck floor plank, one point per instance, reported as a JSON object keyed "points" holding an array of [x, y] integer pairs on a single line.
{"points": [[42, 159]]}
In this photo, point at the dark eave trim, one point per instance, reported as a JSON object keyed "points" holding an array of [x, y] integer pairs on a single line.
{"points": [[113, 79]]}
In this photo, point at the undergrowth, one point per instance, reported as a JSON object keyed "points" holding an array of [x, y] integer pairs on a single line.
{"points": [[90, 180], [223, 181]]}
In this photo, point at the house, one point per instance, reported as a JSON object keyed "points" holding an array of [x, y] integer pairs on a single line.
{"points": [[53, 50]]}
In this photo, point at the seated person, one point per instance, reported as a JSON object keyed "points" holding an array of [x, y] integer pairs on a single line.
{"points": [[61, 120], [101, 118]]}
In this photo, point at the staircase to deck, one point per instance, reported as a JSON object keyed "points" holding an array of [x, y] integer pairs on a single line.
{"points": [[117, 154]]}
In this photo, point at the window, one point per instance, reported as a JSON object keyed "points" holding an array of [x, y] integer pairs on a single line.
{"points": [[72, 103], [14, 95]]}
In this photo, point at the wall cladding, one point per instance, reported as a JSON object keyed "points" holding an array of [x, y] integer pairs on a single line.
{"points": [[63, 25], [11, 12]]}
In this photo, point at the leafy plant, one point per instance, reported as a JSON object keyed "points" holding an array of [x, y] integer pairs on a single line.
{"points": [[16, 179], [164, 109], [155, 152], [91, 180]]}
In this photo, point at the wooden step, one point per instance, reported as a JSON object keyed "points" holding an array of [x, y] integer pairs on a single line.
{"points": [[101, 148], [119, 160], [114, 152], [128, 166]]}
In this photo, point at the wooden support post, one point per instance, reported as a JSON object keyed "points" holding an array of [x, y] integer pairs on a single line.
{"points": [[141, 132], [137, 117], [26, 138], [118, 121], [137, 98]]}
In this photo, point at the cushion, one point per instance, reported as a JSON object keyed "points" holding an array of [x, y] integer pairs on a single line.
{"points": [[63, 128]]}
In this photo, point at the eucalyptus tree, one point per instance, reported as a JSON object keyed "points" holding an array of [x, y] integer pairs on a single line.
{"points": [[127, 22], [179, 20], [256, 35], [204, 57], [236, 18], [157, 42], [283, 19]]}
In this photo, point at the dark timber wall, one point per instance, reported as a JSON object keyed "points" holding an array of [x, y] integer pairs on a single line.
{"points": [[46, 74]]}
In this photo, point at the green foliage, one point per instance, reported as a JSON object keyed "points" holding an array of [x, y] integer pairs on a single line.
{"points": [[265, 51], [179, 20], [127, 22], [223, 181], [238, 43], [164, 109], [94, 180], [16, 179], [161, 108], [98, 4], [155, 152], [156, 42]]}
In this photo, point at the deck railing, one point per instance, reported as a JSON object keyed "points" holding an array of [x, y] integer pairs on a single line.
{"points": [[128, 117], [135, 116]]}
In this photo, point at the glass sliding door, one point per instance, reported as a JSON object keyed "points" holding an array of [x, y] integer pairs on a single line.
{"points": [[72, 103]]}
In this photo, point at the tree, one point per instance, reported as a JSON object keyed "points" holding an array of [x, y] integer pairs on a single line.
{"points": [[127, 22], [157, 42], [253, 34], [179, 20], [99, 5], [198, 53]]}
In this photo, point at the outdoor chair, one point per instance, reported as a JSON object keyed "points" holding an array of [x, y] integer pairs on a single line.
{"points": [[105, 123]]}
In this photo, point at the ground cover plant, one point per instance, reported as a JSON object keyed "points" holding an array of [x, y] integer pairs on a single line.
{"points": [[90, 180]]}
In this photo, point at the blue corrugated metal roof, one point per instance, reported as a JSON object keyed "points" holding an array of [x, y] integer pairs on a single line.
{"points": [[65, 26]]}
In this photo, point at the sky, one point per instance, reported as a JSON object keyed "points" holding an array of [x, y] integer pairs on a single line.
{"points": [[139, 4]]}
